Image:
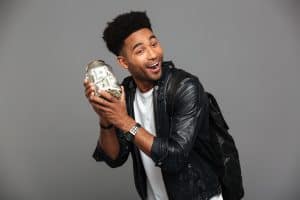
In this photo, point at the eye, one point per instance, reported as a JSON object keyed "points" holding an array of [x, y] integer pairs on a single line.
{"points": [[139, 51], [154, 43]]}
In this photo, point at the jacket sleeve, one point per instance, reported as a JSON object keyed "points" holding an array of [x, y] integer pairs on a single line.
{"points": [[189, 110], [125, 146]]}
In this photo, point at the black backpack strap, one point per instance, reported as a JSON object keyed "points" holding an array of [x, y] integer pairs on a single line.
{"points": [[215, 111]]}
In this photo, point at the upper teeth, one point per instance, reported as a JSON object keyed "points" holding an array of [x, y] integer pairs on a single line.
{"points": [[154, 65]]}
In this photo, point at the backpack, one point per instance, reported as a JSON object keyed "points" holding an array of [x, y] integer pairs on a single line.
{"points": [[224, 154]]}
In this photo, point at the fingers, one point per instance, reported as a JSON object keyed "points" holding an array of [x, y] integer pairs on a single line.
{"points": [[99, 100], [107, 96], [99, 107], [90, 92], [89, 88], [86, 82]]}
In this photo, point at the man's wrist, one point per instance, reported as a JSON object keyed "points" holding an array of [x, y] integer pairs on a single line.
{"points": [[104, 121], [104, 124], [130, 135], [127, 124], [109, 126]]}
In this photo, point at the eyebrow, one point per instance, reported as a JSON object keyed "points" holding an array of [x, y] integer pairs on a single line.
{"points": [[138, 44]]}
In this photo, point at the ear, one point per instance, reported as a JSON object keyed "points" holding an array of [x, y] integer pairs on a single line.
{"points": [[122, 62]]}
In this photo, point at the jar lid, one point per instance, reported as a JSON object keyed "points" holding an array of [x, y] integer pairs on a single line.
{"points": [[94, 64]]}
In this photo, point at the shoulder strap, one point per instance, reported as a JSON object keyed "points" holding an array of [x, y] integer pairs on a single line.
{"points": [[215, 111]]}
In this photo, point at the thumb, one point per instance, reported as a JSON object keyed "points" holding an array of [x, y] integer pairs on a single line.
{"points": [[123, 93]]}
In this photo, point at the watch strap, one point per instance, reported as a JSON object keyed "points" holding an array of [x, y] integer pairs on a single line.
{"points": [[129, 135], [134, 129]]}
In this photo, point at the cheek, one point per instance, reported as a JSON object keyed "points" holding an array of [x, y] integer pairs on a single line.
{"points": [[139, 59], [160, 51]]}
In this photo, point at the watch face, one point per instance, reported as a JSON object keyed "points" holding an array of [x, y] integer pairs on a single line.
{"points": [[129, 137]]}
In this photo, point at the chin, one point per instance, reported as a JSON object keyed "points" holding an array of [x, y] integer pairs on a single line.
{"points": [[156, 77]]}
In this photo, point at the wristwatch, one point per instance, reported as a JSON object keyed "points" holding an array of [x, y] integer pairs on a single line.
{"points": [[131, 133]]}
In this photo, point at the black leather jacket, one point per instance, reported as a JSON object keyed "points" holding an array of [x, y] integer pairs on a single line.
{"points": [[180, 138]]}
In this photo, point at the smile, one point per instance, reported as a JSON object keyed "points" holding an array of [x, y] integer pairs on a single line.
{"points": [[154, 66]]}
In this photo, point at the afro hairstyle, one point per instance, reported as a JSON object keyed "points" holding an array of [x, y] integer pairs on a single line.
{"points": [[121, 27]]}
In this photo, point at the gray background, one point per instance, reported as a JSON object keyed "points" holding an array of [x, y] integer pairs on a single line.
{"points": [[245, 52]]}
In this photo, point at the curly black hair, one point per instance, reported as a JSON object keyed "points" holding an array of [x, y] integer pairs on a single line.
{"points": [[121, 27]]}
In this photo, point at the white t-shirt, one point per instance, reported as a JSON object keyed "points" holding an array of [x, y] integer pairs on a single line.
{"points": [[144, 114]]}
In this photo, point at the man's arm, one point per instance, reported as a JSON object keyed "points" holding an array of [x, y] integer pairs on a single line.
{"points": [[106, 151], [190, 110], [110, 147], [143, 139], [108, 141]]}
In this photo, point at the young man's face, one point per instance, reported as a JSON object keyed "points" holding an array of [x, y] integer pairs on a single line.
{"points": [[142, 55]]}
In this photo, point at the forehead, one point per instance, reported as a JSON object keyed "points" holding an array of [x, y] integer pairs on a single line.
{"points": [[139, 36]]}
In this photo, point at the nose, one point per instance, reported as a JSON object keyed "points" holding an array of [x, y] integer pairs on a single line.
{"points": [[152, 55]]}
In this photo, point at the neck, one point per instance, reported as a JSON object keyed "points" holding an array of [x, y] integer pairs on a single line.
{"points": [[144, 86]]}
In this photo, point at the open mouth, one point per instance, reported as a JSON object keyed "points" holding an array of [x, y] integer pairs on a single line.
{"points": [[155, 67]]}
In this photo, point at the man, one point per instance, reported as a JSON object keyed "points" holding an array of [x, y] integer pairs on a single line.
{"points": [[166, 162]]}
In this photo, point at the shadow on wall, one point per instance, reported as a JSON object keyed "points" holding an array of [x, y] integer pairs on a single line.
{"points": [[8, 8], [292, 9]]}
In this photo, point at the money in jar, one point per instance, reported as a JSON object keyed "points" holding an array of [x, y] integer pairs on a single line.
{"points": [[100, 74]]}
